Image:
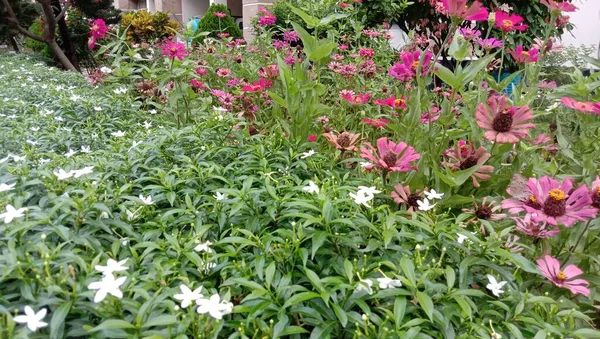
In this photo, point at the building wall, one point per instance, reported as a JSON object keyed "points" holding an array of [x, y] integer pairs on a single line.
{"points": [[235, 7], [250, 10], [191, 8]]}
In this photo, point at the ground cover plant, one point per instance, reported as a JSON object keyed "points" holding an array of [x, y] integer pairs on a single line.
{"points": [[302, 186]]}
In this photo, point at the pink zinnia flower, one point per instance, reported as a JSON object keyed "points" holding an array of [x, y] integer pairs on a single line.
{"points": [[466, 156], [201, 71], [509, 22], [354, 99], [223, 72], [291, 36], [430, 116], [266, 18], [489, 43], [559, 6], [258, 86], [343, 47], [595, 193], [377, 122], [469, 33], [402, 195], [312, 138], [550, 267], [98, 29], [392, 101], [174, 50], [269, 72], [548, 84], [220, 14], [91, 42], [366, 52], [390, 156], [535, 228], [344, 141], [522, 56], [198, 84], [407, 70], [552, 201], [459, 9], [585, 107], [503, 124]]}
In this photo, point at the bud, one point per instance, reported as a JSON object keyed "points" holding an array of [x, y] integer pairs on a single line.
{"points": [[492, 18], [418, 247], [176, 308], [43, 236], [364, 317]]}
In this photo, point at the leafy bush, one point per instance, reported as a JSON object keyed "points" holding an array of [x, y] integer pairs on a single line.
{"points": [[215, 25], [103, 9], [26, 14], [143, 26], [37, 27]]}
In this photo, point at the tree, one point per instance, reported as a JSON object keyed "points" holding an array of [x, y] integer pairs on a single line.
{"points": [[25, 12], [50, 23]]}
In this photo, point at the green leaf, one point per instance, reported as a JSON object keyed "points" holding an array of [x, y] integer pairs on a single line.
{"points": [[270, 273], [315, 280], [399, 311], [474, 67], [541, 334], [409, 270], [514, 330], [446, 76], [300, 297], [317, 241], [426, 303], [112, 324], [163, 320], [450, 277], [340, 314], [331, 18], [57, 324], [586, 333], [310, 21]]}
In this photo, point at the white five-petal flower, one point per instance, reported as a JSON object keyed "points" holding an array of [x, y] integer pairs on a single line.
{"points": [[204, 247], [83, 171], [214, 306], [360, 198], [108, 285], [388, 283], [364, 285], [62, 175], [146, 200], [432, 195], [188, 296], [495, 286], [118, 134], [12, 213], [32, 319], [424, 205], [111, 267], [70, 153], [311, 188], [220, 196], [307, 154], [5, 187], [85, 149]]}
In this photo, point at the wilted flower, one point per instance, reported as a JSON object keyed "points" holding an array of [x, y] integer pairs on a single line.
{"points": [[390, 156], [377, 122], [402, 195], [344, 141], [503, 123], [595, 193], [535, 228], [485, 211], [550, 267], [465, 157]]}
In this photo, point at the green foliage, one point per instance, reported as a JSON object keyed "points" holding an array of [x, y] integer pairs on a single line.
{"points": [[143, 26], [25, 12], [37, 46], [215, 25], [102, 9]]}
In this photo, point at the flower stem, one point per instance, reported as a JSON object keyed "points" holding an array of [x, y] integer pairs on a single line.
{"points": [[587, 226]]}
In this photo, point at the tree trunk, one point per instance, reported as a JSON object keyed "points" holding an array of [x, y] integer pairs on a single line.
{"points": [[13, 42], [61, 56], [65, 36]]}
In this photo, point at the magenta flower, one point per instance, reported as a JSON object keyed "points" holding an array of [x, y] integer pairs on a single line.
{"points": [[258, 86], [585, 107], [550, 267], [223, 72], [559, 6], [354, 99], [552, 201], [490, 43], [522, 56], [595, 193], [199, 85], [407, 69], [389, 156], [291, 36], [366, 52], [503, 124], [91, 43], [377, 122], [548, 84], [459, 9], [467, 156], [220, 14], [266, 18], [509, 22], [174, 50], [470, 33], [98, 29], [532, 227], [392, 101]]}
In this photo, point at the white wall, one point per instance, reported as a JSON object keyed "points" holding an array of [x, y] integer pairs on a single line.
{"points": [[587, 24], [192, 8]]}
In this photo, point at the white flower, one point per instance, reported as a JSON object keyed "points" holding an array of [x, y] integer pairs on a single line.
{"points": [[104, 215], [75, 97], [432, 195], [83, 171], [152, 111], [5, 187], [311, 188], [120, 90], [424, 205], [86, 149], [59, 119], [213, 306], [105, 70], [34, 129], [32, 319], [389, 283], [134, 145], [130, 215], [62, 175], [188, 296], [368, 190], [308, 154], [360, 198], [137, 56], [495, 286], [146, 200], [364, 285], [32, 142], [219, 109], [108, 285], [3, 160], [111, 267], [19, 158], [461, 237], [220, 196], [204, 247], [118, 134], [97, 108], [147, 124], [12, 213], [70, 153], [44, 161]]}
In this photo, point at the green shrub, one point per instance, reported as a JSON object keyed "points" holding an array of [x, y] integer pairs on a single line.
{"points": [[37, 46], [215, 25], [143, 26]]}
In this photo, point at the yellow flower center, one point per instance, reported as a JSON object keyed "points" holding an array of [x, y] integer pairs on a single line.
{"points": [[557, 194], [507, 23], [398, 102], [561, 276], [598, 190], [532, 199], [95, 28], [525, 53], [415, 65], [173, 49]]}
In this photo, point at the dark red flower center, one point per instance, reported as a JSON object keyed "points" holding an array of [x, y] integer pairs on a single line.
{"points": [[468, 162], [412, 200], [390, 159], [483, 212], [596, 198], [502, 122], [343, 140], [556, 203]]}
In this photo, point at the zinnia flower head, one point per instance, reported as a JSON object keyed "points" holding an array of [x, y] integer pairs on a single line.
{"points": [[585, 107], [266, 18], [560, 6], [503, 123], [466, 156], [199, 85], [402, 195], [258, 86], [354, 99], [291, 36], [522, 56], [550, 267], [91, 43], [377, 122], [392, 101], [407, 69], [595, 193], [269, 72], [509, 22], [174, 50], [366, 52], [390, 156], [220, 14], [531, 226], [470, 33], [460, 10], [223, 72], [98, 29], [489, 43], [344, 141], [552, 201]]}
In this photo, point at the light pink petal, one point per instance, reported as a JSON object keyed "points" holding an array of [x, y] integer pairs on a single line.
{"points": [[572, 271]]}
